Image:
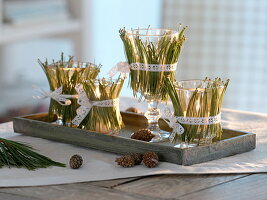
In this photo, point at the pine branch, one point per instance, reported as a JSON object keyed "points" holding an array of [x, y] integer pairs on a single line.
{"points": [[16, 154]]}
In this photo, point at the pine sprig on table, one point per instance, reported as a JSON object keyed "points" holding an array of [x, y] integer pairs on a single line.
{"points": [[165, 51], [16, 154]]}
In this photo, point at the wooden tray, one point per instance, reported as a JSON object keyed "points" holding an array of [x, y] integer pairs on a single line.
{"points": [[233, 142]]}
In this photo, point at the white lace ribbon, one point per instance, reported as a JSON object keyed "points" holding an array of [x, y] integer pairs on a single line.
{"points": [[175, 122], [122, 67], [56, 95], [86, 105], [200, 120], [172, 122], [154, 67]]}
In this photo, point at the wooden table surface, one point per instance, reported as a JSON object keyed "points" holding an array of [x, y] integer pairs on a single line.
{"points": [[193, 187]]}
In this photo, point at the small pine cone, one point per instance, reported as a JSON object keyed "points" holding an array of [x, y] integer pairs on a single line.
{"points": [[151, 163], [133, 109], [150, 155], [76, 161], [125, 161], [143, 134], [138, 157], [150, 159]]}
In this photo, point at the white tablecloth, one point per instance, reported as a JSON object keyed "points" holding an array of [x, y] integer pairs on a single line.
{"points": [[101, 166]]}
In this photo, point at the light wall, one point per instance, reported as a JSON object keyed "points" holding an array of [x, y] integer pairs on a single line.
{"points": [[225, 39], [19, 59], [97, 41], [108, 17]]}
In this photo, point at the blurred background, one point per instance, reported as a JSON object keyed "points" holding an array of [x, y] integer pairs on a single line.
{"points": [[226, 39]]}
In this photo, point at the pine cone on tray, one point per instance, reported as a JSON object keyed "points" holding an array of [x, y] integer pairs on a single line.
{"points": [[76, 161], [125, 161], [150, 159], [143, 134], [133, 109], [138, 157]]}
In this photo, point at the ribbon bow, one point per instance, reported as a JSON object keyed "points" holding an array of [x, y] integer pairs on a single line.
{"points": [[86, 105], [173, 123], [121, 67], [56, 95]]}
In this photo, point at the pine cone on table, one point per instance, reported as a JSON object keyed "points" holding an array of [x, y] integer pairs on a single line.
{"points": [[125, 161], [76, 161], [138, 157], [150, 159], [143, 134]]}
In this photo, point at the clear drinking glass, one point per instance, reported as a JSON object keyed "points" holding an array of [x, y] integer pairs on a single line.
{"points": [[152, 55], [67, 75], [107, 119], [198, 99]]}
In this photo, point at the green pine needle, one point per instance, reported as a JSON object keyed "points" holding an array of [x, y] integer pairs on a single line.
{"points": [[58, 75], [165, 50], [16, 154], [108, 118], [208, 98]]}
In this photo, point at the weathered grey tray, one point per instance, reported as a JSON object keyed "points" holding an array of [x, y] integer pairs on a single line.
{"points": [[233, 142]]}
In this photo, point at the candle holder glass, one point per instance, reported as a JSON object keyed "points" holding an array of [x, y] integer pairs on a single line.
{"points": [[197, 107], [152, 55], [104, 116], [67, 75]]}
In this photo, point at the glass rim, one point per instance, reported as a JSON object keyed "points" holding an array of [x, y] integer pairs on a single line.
{"points": [[172, 32], [82, 65], [194, 88]]}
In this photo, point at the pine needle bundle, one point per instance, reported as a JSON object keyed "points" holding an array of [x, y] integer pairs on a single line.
{"points": [[103, 119], [203, 100], [16, 154], [67, 74], [163, 48]]}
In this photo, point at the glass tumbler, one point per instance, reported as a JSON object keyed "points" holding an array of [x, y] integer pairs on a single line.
{"points": [[67, 75], [197, 106], [104, 116]]}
